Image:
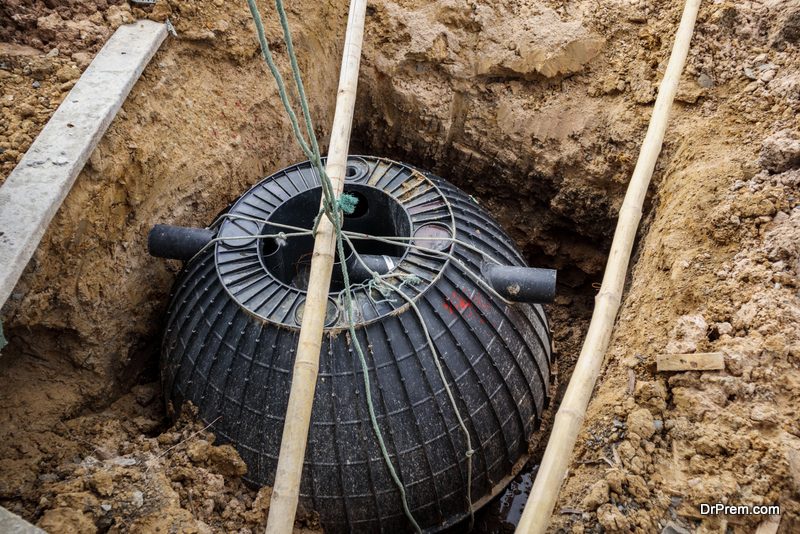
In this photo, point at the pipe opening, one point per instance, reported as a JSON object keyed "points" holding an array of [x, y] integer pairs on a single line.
{"points": [[376, 213]]}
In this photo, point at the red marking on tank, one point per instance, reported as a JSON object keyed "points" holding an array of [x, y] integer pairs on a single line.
{"points": [[455, 302]]}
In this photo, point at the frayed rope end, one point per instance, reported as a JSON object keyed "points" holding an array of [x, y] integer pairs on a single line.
{"points": [[347, 203]]}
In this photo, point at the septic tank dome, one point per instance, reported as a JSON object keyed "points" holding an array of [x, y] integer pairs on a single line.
{"points": [[234, 320]]}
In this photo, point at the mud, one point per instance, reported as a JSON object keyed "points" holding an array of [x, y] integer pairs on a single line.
{"points": [[535, 108]]}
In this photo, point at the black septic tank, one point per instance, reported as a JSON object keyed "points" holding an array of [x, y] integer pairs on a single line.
{"points": [[234, 320]]}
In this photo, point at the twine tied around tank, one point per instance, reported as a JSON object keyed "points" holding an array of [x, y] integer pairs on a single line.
{"points": [[333, 208]]}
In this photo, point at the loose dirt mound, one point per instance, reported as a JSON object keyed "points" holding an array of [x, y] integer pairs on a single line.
{"points": [[125, 481], [536, 108]]}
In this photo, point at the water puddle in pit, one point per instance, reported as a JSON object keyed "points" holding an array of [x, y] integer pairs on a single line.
{"points": [[503, 513]]}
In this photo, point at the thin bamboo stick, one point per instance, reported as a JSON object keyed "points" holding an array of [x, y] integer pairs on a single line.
{"points": [[286, 490], [569, 418]]}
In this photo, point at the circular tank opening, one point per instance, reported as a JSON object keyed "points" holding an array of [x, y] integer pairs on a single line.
{"points": [[376, 213]]}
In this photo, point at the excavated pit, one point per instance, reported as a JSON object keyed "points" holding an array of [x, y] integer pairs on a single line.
{"points": [[569, 316]]}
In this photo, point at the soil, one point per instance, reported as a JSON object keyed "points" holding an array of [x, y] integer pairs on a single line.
{"points": [[537, 109]]}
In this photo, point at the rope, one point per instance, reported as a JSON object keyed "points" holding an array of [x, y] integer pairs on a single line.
{"points": [[379, 282], [470, 451], [349, 308], [332, 208]]}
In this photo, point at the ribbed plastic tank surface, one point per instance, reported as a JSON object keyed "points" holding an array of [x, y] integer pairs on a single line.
{"points": [[234, 321]]}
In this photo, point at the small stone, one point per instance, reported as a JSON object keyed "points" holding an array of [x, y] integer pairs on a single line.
{"points": [[105, 507], [705, 81], [82, 59], [198, 451], [724, 328], [67, 73], [116, 16], [780, 151], [26, 110], [137, 498], [780, 217], [767, 76], [764, 414], [686, 334], [598, 494], [227, 461], [689, 92], [37, 84], [121, 460], [53, 53], [626, 450], [222, 26]]}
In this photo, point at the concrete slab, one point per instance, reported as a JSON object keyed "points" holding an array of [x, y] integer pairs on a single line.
{"points": [[14, 524], [37, 186]]}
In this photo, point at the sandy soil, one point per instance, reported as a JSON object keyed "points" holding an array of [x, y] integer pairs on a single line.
{"points": [[537, 108]]}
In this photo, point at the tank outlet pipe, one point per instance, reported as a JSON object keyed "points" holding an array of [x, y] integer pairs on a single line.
{"points": [[522, 284], [517, 284], [177, 242]]}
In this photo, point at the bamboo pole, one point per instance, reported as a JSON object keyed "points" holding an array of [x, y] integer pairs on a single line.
{"points": [[286, 490], [552, 471]]}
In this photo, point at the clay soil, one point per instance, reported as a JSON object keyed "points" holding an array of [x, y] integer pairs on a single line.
{"points": [[537, 108]]}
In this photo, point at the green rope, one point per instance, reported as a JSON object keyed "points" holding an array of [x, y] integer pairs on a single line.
{"points": [[378, 283], [267, 54], [332, 208], [312, 153], [298, 80]]}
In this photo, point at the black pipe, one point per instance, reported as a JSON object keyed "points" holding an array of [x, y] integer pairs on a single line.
{"points": [[518, 284], [177, 242], [522, 284], [380, 264]]}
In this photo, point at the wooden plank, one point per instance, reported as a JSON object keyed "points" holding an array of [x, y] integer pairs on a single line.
{"points": [[37, 186], [700, 361]]}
